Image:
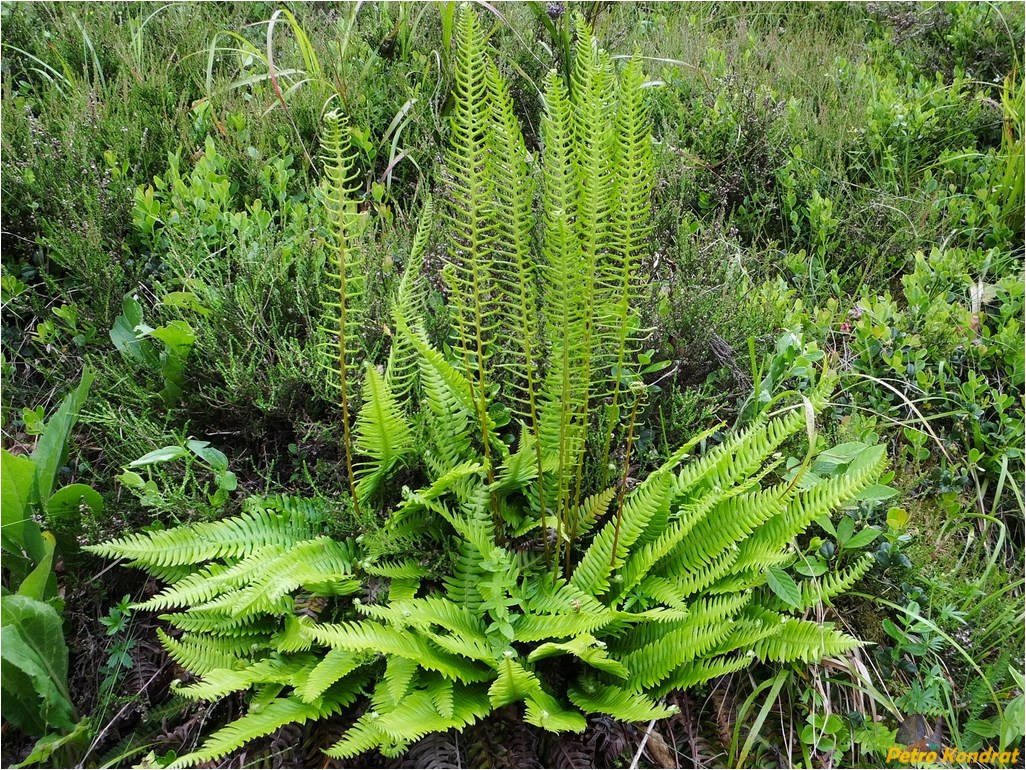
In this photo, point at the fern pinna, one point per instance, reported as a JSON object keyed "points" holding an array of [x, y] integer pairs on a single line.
{"points": [[631, 594]]}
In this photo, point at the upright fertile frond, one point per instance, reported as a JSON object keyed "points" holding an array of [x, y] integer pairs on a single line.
{"points": [[564, 396], [630, 229], [513, 263], [342, 326], [514, 266], [593, 99], [401, 368], [474, 293]]}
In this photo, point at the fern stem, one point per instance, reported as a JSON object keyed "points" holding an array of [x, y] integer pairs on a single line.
{"points": [[344, 383], [639, 396]]}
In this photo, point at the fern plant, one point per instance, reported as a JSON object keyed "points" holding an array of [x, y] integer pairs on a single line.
{"points": [[567, 594]]}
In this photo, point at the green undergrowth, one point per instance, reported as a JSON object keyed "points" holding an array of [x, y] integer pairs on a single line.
{"points": [[835, 186]]}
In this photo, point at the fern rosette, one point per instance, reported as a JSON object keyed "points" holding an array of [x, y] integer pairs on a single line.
{"points": [[567, 593]]}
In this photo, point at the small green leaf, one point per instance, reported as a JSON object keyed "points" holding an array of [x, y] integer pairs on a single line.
{"points": [[897, 518], [813, 567], [844, 529], [162, 455], [227, 481], [783, 586], [876, 493], [132, 480], [827, 525], [177, 335], [52, 448], [41, 583]]}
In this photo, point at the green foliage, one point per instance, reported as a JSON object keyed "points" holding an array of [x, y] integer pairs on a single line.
{"points": [[35, 667], [664, 589], [866, 160], [35, 655], [956, 334], [28, 484], [134, 340]]}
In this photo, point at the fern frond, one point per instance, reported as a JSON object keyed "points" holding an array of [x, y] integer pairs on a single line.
{"points": [[236, 537], [650, 664], [221, 682], [368, 636], [536, 627], [323, 565], [382, 433], [701, 670], [406, 569], [729, 522], [400, 674], [804, 640], [218, 623], [361, 737], [592, 574], [513, 683], [475, 296], [585, 648], [620, 285], [563, 399], [595, 698], [592, 509], [826, 587], [212, 581], [200, 654], [342, 340], [544, 711], [328, 670], [462, 585], [808, 505], [416, 715], [513, 265], [274, 715], [424, 613], [295, 636], [401, 367]]}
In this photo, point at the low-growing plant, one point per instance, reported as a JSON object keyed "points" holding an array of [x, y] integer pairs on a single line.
{"points": [[629, 590], [35, 655]]}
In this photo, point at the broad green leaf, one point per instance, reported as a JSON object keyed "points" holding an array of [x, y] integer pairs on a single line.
{"points": [[16, 477], [185, 299], [41, 582], [34, 647], [842, 454], [162, 455], [177, 335], [125, 338], [876, 493], [215, 458], [52, 449], [783, 586], [66, 503], [810, 567], [863, 538], [827, 525], [48, 744]]}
